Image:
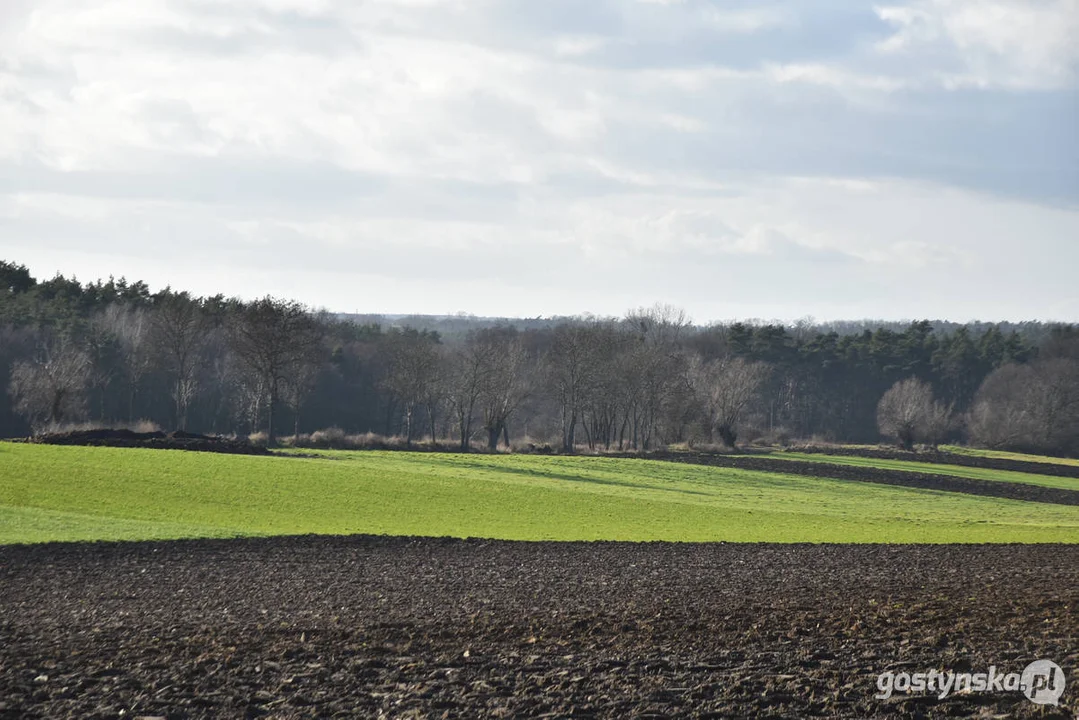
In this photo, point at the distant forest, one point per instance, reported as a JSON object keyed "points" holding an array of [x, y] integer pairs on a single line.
{"points": [[113, 353]]}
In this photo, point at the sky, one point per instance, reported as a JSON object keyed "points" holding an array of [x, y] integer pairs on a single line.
{"points": [[775, 160]]}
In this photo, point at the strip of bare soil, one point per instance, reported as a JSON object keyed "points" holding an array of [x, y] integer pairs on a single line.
{"points": [[178, 440], [396, 627], [947, 458], [905, 478]]}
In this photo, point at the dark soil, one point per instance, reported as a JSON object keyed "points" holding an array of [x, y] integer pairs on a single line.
{"points": [[906, 478], [379, 627], [946, 458], [178, 440]]}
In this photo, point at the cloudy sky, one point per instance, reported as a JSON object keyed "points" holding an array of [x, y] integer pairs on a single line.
{"points": [[916, 158]]}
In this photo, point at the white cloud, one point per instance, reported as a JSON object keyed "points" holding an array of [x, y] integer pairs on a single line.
{"points": [[683, 123], [589, 158], [744, 21], [777, 249], [833, 76], [1012, 43], [577, 45]]}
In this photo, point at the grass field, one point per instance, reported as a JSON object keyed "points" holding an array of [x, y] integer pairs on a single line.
{"points": [[935, 468], [72, 493]]}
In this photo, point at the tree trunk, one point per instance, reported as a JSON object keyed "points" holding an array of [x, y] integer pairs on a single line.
{"points": [[492, 437], [179, 405], [569, 425], [271, 432], [56, 412], [463, 431], [391, 409]]}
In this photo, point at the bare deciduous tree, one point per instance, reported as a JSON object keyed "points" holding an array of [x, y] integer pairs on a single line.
{"points": [[1033, 407], [939, 423], [298, 387], [467, 364], [908, 413], [660, 325], [608, 398], [179, 330], [572, 374], [726, 387], [436, 394], [653, 369], [247, 391], [504, 384], [411, 373], [52, 388], [1054, 391], [103, 348], [131, 327], [274, 338]]}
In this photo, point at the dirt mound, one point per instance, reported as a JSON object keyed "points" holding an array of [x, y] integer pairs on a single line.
{"points": [[398, 627], [178, 440], [946, 458], [928, 481]]}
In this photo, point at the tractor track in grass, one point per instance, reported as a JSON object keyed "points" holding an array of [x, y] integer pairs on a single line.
{"points": [[322, 627], [860, 473]]}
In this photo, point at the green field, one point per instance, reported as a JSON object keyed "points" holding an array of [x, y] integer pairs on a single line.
{"points": [[69, 493], [936, 469]]}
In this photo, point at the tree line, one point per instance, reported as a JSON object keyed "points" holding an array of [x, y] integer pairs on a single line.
{"points": [[113, 352]]}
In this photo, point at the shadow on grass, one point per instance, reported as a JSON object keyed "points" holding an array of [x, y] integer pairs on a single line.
{"points": [[575, 478]]}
